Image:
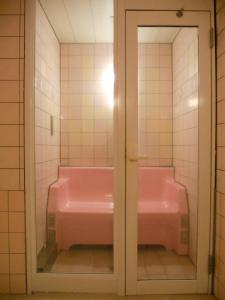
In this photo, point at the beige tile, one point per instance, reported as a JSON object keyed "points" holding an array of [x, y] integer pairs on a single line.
{"points": [[9, 91], [165, 126], [17, 263], [165, 61], [155, 269], [22, 178], [165, 151], [64, 49], [4, 284], [9, 157], [4, 226], [22, 47], [16, 222], [21, 69], [22, 6], [102, 260], [165, 139], [22, 20], [22, 165], [9, 25], [89, 107], [9, 68], [9, 47], [220, 180], [17, 242], [179, 270], [9, 179], [9, 113], [9, 7], [9, 135], [16, 201], [142, 272], [21, 130], [3, 201], [4, 263], [165, 49], [160, 264], [152, 257], [17, 284], [86, 259], [4, 243]]}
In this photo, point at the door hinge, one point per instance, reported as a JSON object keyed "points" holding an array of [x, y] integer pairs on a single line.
{"points": [[211, 37], [211, 264]]}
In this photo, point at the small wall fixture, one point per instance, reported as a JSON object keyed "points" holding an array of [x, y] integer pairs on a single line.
{"points": [[180, 13]]}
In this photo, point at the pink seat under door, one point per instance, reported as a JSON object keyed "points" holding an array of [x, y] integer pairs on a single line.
{"points": [[162, 210], [80, 208]]}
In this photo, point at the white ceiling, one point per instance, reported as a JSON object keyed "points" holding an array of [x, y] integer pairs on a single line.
{"points": [[81, 21], [91, 21], [157, 34]]}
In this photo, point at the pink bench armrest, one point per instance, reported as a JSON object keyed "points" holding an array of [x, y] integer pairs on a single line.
{"points": [[57, 194], [177, 192]]}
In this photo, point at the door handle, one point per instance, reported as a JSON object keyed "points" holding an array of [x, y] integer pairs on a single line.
{"points": [[135, 159]]}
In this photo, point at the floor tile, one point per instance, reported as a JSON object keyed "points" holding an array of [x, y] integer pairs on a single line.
{"points": [[163, 264], [71, 296], [154, 262]]}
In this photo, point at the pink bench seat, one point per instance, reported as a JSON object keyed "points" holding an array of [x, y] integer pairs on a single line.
{"points": [[81, 204]]}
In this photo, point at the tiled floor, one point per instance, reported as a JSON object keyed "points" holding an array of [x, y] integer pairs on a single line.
{"points": [[52, 296], [84, 259], [153, 262]]}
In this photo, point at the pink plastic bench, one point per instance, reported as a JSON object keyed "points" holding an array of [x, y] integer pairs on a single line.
{"points": [[80, 208]]}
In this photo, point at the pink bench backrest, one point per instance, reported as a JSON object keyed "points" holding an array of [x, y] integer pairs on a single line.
{"points": [[88, 181], [91, 181], [152, 181]]}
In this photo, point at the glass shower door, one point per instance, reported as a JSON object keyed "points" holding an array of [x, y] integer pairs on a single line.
{"points": [[74, 208], [167, 134], [167, 165]]}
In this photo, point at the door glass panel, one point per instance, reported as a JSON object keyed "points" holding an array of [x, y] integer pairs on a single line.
{"points": [[168, 152], [74, 136]]}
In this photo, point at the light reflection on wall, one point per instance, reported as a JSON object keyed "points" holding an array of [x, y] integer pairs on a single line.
{"points": [[108, 85], [193, 102]]}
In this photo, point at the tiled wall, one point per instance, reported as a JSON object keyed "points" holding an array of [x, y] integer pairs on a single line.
{"points": [[47, 103], [155, 103], [86, 104], [12, 231], [12, 225], [185, 121], [220, 186], [86, 107]]}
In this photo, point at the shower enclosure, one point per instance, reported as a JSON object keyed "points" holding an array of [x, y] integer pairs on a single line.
{"points": [[169, 83], [119, 167]]}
